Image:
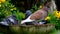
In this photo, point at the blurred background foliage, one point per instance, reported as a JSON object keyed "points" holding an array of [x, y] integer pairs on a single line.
{"points": [[54, 18], [24, 5], [19, 15], [7, 9]]}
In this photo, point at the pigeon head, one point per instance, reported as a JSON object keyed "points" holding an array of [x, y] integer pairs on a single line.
{"points": [[47, 3], [13, 15]]}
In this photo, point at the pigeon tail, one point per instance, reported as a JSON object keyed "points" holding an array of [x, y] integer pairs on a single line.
{"points": [[4, 23]]}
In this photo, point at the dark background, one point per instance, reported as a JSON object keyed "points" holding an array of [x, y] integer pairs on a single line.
{"points": [[58, 4], [24, 5]]}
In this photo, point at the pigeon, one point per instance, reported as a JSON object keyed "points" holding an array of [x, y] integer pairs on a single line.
{"points": [[40, 14], [9, 20], [37, 15]]}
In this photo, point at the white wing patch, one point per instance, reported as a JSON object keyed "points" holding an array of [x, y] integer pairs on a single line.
{"points": [[27, 20]]}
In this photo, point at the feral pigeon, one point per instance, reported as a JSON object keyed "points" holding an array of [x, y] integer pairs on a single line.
{"points": [[9, 20], [38, 15]]}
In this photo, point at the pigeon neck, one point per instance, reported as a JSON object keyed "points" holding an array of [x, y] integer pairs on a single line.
{"points": [[45, 8]]}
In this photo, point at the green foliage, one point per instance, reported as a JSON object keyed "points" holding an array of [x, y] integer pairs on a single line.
{"points": [[54, 20], [7, 9], [1, 33], [55, 32], [19, 15], [4, 8], [34, 8]]}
